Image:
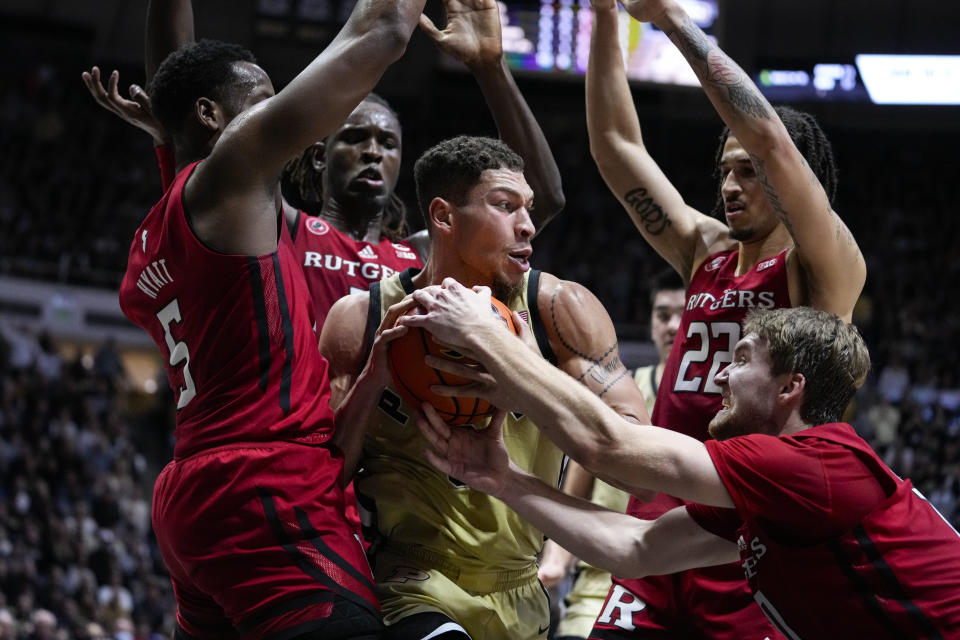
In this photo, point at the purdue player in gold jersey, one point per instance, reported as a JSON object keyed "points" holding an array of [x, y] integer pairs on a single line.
{"points": [[450, 562]]}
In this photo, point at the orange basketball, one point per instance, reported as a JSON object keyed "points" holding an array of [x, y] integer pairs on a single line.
{"points": [[413, 377]]}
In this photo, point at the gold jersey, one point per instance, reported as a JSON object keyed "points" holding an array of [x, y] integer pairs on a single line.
{"points": [[414, 504]]}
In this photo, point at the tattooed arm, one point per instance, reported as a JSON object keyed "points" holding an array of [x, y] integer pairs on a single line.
{"points": [[584, 341], [679, 233], [833, 269]]}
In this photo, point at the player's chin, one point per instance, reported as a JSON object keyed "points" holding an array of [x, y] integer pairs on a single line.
{"points": [[506, 285], [719, 425]]}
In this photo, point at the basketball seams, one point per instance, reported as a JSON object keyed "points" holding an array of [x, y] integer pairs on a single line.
{"points": [[413, 380]]}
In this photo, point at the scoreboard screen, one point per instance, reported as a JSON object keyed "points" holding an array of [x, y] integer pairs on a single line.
{"points": [[553, 37]]}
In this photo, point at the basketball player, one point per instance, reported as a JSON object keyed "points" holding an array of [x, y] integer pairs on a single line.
{"points": [[249, 514], [782, 245], [452, 563], [356, 238], [832, 543], [592, 585]]}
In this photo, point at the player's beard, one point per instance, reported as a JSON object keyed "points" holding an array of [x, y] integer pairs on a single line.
{"points": [[505, 291], [742, 235], [725, 425], [730, 423]]}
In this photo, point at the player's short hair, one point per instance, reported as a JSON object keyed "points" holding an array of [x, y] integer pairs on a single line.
{"points": [[307, 180], [451, 168], [809, 139], [665, 280], [203, 69], [829, 352]]}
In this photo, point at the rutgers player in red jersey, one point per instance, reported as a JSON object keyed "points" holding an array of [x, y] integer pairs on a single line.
{"points": [[249, 514], [358, 235], [831, 542], [782, 245]]}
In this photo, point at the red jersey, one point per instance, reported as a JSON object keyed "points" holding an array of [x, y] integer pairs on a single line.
{"points": [[833, 544], [242, 357], [715, 601], [336, 265], [717, 302]]}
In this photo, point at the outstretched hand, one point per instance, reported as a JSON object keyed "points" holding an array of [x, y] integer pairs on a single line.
{"points": [[478, 458], [472, 34], [135, 111]]}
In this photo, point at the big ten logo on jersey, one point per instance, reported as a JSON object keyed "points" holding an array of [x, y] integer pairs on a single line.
{"points": [[751, 556], [406, 574], [367, 270], [154, 277], [766, 264], [620, 608], [732, 299], [403, 251]]}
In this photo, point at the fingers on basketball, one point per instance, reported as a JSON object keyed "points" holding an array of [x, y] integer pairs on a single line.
{"points": [[413, 377]]}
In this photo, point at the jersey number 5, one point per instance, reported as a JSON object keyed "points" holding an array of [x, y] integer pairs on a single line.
{"points": [[725, 336], [178, 351]]}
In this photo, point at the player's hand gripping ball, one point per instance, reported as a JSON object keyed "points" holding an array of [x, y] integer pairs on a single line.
{"points": [[413, 377]]}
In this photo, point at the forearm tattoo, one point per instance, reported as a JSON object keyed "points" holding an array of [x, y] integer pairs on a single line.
{"points": [[604, 371], [760, 167], [651, 215], [721, 71]]}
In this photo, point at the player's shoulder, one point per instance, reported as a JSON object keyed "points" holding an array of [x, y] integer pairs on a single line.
{"points": [[344, 331], [575, 320], [555, 294], [350, 308]]}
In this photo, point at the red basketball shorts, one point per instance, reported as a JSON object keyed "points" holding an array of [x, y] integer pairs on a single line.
{"points": [[709, 603], [256, 541], [712, 603]]}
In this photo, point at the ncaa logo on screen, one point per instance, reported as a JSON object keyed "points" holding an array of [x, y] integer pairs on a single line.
{"points": [[317, 226]]}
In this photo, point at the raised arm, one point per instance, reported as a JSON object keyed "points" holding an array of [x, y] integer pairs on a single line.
{"points": [[679, 233], [169, 26], [472, 36], [834, 269], [572, 416], [603, 538]]}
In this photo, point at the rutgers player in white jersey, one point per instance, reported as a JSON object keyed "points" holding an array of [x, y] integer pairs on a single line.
{"points": [[782, 245]]}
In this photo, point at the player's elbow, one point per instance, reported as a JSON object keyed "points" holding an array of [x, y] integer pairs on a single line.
{"points": [[643, 560], [610, 149], [392, 37], [385, 35], [548, 208], [593, 452]]}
